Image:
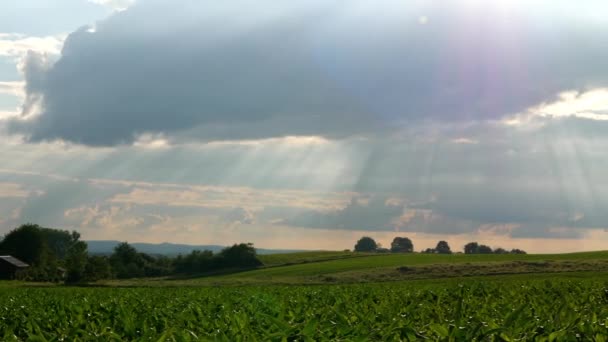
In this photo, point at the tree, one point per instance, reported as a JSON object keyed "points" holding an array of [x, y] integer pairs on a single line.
{"points": [[97, 268], [366, 244], [25, 243], [402, 245], [195, 262], [500, 251], [242, 255], [471, 248], [483, 249], [76, 262], [429, 251], [443, 248], [126, 261], [59, 241], [517, 251]]}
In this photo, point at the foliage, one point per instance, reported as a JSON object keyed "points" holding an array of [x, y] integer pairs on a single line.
{"points": [[402, 245], [471, 248], [58, 241], [495, 311], [366, 244], [241, 255], [76, 262], [127, 262], [238, 256], [483, 249], [25, 243], [443, 248], [475, 248], [46, 250], [97, 268], [195, 262]]}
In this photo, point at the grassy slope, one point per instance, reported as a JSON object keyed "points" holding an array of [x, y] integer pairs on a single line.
{"points": [[375, 261], [306, 257], [344, 267]]}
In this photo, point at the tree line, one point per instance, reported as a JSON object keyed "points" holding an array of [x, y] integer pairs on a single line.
{"points": [[59, 255], [405, 245]]}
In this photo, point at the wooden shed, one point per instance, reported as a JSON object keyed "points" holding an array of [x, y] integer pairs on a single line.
{"points": [[9, 266]]}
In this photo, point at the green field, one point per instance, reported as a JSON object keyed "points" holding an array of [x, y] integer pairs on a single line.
{"points": [[347, 267], [544, 309], [336, 296]]}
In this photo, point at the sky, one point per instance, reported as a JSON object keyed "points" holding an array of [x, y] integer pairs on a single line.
{"points": [[307, 124]]}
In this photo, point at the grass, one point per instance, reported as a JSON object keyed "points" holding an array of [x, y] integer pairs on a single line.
{"points": [[305, 257], [357, 262], [344, 267], [331, 296]]}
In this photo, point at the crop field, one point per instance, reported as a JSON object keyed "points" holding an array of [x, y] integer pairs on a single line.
{"points": [[545, 309], [336, 296]]}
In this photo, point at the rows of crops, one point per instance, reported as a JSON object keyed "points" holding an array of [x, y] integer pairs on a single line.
{"points": [[541, 310]]}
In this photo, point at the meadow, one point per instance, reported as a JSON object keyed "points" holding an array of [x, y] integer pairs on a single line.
{"points": [[346, 267], [554, 299]]}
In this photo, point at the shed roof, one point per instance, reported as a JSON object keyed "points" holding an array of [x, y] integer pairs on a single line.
{"points": [[14, 261]]}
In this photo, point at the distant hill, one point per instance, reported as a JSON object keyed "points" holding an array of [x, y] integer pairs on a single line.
{"points": [[165, 248]]}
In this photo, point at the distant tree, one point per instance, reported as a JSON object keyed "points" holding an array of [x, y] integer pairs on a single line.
{"points": [[59, 241], [517, 251], [76, 262], [242, 255], [483, 249], [429, 251], [402, 245], [126, 261], [97, 268], [500, 251], [366, 244], [471, 248], [195, 262], [25, 243], [443, 248]]}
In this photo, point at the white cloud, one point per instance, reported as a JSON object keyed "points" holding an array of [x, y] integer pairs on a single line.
{"points": [[14, 88], [463, 140], [17, 45], [118, 5], [592, 104]]}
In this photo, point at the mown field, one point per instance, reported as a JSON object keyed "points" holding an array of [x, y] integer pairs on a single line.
{"points": [[347, 267], [335, 296]]}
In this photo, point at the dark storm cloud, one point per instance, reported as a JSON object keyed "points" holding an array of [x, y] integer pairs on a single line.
{"points": [[202, 70]]}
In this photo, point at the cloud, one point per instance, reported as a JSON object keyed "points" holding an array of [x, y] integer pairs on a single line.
{"points": [[12, 190], [118, 5], [14, 88], [239, 216], [18, 45], [244, 70], [360, 214]]}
